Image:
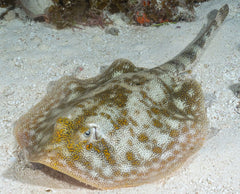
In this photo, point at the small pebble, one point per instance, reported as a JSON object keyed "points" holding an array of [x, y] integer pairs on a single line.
{"points": [[11, 15], [236, 89], [112, 30]]}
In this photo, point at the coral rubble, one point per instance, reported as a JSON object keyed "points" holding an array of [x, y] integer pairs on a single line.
{"points": [[68, 13]]}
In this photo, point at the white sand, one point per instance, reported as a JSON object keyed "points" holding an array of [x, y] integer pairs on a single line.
{"points": [[32, 55]]}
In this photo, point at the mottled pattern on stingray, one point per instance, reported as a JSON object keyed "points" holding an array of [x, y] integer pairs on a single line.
{"points": [[125, 127]]}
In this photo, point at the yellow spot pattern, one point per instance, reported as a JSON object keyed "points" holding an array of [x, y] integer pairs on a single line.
{"points": [[130, 157], [143, 138]]}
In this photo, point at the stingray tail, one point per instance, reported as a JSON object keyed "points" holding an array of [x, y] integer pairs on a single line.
{"points": [[182, 61]]}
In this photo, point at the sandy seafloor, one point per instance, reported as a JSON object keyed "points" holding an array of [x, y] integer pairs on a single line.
{"points": [[33, 54]]}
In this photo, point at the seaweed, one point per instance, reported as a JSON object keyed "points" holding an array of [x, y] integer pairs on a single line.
{"points": [[69, 13], [65, 13]]}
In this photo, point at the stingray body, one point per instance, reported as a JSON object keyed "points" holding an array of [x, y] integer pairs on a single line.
{"points": [[125, 127]]}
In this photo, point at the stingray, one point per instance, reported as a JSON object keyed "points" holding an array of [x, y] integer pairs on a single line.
{"points": [[125, 127]]}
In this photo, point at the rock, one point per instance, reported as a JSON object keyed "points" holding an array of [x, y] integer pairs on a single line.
{"points": [[112, 30], [11, 15]]}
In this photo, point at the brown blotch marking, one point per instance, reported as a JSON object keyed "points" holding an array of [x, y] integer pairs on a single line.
{"points": [[188, 110], [144, 101], [135, 162], [121, 96], [151, 162], [183, 93], [79, 146], [155, 160], [90, 112], [134, 172], [127, 80], [115, 96], [81, 105], [174, 133], [157, 123], [70, 163], [184, 129], [124, 112], [122, 121], [97, 149], [116, 173], [170, 158], [170, 145], [143, 138], [131, 132], [106, 152], [176, 152], [164, 101], [157, 150], [115, 126], [87, 164], [79, 120], [130, 143], [134, 123], [148, 163], [89, 146], [189, 136], [143, 94], [154, 141], [130, 157], [121, 101], [125, 174], [107, 116], [71, 147], [156, 111], [183, 146], [165, 112], [193, 126], [75, 157], [149, 113], [148, 147], [163, 163], [137, 112], [146, 126]]}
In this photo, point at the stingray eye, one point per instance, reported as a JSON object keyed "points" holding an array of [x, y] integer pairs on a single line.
{"points": [[91, 134], [87, 133]]}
